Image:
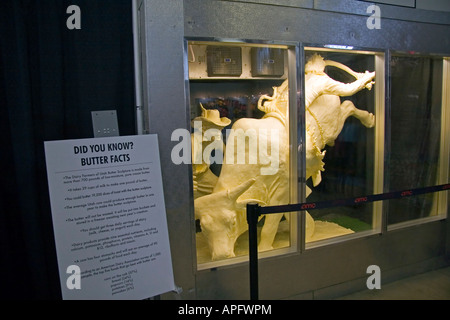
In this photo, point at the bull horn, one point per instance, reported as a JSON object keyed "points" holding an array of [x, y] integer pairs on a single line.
{"points": [[242, 204], [235, 193]]}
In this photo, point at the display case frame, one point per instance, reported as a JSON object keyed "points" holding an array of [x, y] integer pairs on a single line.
{"points": [[379, 135], [292, 74], [382, 142], [441, 198]]}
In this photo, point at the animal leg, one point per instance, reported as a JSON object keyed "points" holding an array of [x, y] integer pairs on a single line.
{"points": [[366, 118], [269, 231]]}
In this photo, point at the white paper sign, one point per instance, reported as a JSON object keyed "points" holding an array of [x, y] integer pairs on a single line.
{"points": [[109, 218]]}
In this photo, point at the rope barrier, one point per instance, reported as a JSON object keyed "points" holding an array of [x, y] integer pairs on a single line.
{"points": [[352, 201], [255, 210]]}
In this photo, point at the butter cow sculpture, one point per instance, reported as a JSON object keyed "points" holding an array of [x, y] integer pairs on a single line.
{"points": [[222, 213]]}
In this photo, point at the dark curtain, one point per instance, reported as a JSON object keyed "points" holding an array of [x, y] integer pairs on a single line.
{"points": [[416, 91], [51, 78]]}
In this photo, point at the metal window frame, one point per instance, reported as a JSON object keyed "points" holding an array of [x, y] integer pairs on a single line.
{"points": [[440, 198], [379, 138], [293, 62]]}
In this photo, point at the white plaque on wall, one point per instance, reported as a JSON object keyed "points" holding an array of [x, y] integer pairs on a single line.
{"points": [[109, 218]]}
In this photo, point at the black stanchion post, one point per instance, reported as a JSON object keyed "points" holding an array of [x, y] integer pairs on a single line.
{"points": [[252, 219], [254, 210]]}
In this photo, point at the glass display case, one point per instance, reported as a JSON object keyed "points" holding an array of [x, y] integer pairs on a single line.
{"points": [[343, 137], [250, 144], [241, 114], [417, 157]]}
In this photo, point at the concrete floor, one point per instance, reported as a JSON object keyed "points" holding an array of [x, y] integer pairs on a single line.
{"points": [[433, 285]]}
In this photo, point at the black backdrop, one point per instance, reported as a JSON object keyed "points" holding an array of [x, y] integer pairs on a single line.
{"points": [[51, 78]]}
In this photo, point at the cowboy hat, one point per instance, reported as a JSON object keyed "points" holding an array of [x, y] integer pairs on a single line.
{"points": [[213, 116]]}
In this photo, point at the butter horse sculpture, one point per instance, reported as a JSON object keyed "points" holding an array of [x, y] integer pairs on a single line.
{"points": [[222, 214]]}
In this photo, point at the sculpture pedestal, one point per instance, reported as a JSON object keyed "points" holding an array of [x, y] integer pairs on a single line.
{"points": [[325, 230]]}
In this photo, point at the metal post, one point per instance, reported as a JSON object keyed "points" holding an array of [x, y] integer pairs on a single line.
{"points": [[137, 68], [252, 219]]}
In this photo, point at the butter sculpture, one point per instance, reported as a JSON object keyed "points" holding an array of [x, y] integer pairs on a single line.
{"points": [[325, 115], [263, 179], [204, 179]]}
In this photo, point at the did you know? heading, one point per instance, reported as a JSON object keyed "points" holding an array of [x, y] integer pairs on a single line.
{"points": [[97, 157]]}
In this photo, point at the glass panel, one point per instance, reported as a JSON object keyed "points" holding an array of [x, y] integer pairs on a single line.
{"points": [[416, 90], [340, 140], [239, 98]]}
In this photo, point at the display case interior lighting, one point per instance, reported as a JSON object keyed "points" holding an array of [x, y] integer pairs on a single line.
{"points": [[238, 43], [338, 48]]}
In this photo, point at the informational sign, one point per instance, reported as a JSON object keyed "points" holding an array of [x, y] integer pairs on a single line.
{"points": [[109, 218]]}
